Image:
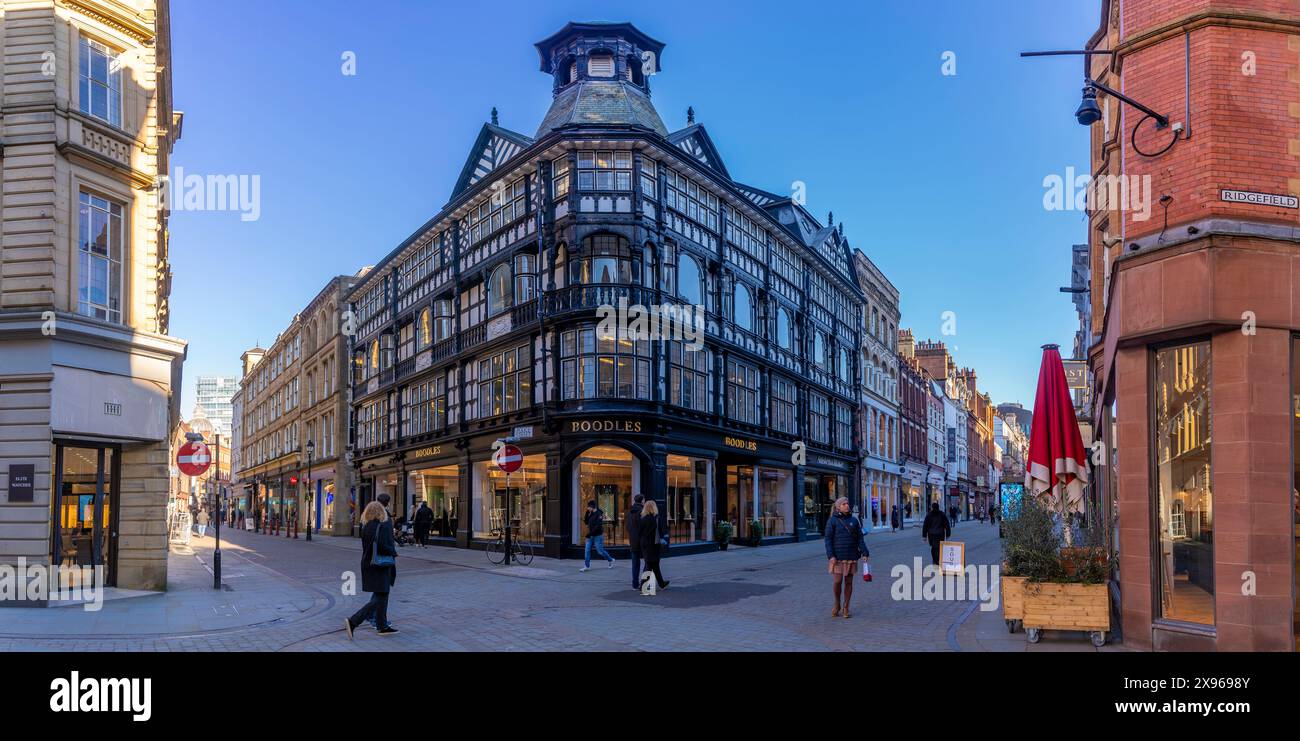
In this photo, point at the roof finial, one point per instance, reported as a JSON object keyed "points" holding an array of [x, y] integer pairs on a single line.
{"points": [[690, 115], [841, 228], [830, 219], [494, 116]]}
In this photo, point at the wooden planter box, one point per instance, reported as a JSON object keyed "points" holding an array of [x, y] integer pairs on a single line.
{"points": [[1037, 607], [1013, 601], [1048, 606]]}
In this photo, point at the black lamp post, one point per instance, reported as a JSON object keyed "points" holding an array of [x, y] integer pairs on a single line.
{"points": [[311, 451]]}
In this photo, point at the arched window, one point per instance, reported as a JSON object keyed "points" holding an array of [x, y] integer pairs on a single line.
{"points": [[784, 328], [374, 357], [559, 268], [605, 258], [525, 278], [689, 284], [441, 320], [743, 308], [424, 335], [500, 296], [819, 348], [634, 73]]}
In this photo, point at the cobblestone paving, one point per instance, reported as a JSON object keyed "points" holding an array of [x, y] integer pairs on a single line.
{"points": [[770, 598]]}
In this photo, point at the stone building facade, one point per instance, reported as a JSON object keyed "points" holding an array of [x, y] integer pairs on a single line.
{"points": [[88, 371]]}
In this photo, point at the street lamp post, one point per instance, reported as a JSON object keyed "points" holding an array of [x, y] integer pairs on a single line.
{"points": [[311, 451], [216, 532]]}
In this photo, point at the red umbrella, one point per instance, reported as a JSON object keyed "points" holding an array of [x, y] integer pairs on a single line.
{"points": [[1057, 468]]}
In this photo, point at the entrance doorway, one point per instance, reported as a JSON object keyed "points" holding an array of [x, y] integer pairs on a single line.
{"points": [[84, 511]]}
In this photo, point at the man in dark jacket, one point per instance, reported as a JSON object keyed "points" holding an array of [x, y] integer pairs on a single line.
{"points": [[894, 520], [423, 523], [595, 522], [633, 539], [935, 529]]}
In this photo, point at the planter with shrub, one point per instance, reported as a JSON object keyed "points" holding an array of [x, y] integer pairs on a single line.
{"points": [[1049, 587]]}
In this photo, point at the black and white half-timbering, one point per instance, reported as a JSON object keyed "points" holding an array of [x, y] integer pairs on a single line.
{"points": [[604, 293]]}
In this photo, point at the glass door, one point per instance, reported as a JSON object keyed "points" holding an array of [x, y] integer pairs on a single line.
{"points": [[85, 509]]}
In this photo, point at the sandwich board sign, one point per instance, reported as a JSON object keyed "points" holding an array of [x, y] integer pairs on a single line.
{"points": [[952, 557]]}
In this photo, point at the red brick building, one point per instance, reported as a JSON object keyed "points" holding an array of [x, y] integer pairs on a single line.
{"points": [[1197, 316]]}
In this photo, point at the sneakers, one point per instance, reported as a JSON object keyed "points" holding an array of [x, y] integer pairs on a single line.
{"points": [[664, 585], [584, 568], [611, 563], [389, 631], [347, 622]]}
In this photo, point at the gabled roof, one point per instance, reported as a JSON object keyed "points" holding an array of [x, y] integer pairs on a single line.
{"points": [[694, 140], [758, 196], [493, 148]]}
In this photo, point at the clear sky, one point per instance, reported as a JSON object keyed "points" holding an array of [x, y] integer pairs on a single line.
{"points": [[939, 179]]}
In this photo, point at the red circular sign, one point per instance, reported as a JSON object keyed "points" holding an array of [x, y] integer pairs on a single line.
{"points": [[509, 458], [193, 459]]}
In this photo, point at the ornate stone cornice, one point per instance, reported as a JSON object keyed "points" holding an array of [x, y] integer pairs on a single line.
{"points": [[115, 16]]}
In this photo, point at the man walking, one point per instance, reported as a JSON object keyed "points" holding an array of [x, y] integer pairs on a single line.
{"points": [[935, 529], [633, 540], [595, 522], [894, 521], [423, 523]]}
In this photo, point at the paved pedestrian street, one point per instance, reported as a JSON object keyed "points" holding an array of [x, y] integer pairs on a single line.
{"points": [[281, 594]]}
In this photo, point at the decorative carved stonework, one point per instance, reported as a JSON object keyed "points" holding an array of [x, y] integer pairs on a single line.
{"points": [[107, 146]]}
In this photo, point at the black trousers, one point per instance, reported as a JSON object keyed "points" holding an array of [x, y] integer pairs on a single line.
{"points": [[377, 606], [422, 534], [636, 570], [935, 540]]}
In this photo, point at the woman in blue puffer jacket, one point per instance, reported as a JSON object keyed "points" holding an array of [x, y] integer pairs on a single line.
{"points": [[845, 546]]}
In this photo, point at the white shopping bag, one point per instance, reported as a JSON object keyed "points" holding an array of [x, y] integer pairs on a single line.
{"points": [[649, 584]]}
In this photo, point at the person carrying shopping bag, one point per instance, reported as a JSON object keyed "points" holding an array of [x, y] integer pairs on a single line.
{"points": [[845, 546]]}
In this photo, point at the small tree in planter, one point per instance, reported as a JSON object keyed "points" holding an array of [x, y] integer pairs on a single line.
{"points": [[1046, 585], [722, 534], [755, 531]]}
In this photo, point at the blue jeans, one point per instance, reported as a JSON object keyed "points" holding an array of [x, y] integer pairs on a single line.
{"points": [[599, 540], [636, 570]]}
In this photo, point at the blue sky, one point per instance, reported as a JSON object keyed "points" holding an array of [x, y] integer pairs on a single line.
{"points": [[939, 179]]}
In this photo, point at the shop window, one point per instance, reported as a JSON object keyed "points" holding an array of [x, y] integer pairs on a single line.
{"points": [[526, 489], [608, 475], [689, 498], [1185, 514], [440, 487]]}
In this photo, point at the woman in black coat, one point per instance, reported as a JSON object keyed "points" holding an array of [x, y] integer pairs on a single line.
{"points": [[650, 537], [376, 536]]}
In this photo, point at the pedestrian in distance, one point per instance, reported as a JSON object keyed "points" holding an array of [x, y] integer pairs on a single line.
{"points": [[845, 545], [378, 569], [595, 522], [894, 521], [993, 515], [652, 534], [634, 537], [423, 524], [203, 522], [936, 529]]}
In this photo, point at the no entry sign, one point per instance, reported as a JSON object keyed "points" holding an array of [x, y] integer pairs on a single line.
{"points": [[193, 459], [509, 458]]}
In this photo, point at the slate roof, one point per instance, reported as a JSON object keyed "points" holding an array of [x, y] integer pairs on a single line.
{"points": [[601, 102]]}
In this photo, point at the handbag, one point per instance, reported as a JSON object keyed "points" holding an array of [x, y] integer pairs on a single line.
{"points": [[377, 558]]}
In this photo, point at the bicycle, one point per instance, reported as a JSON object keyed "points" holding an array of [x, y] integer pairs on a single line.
{"points": [[521, 551]]}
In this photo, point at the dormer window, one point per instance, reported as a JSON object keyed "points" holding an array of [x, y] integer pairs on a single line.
{"points": [[600, 65]]}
